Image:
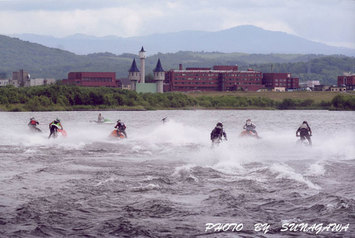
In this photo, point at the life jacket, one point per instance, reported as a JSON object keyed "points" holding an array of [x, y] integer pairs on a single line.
{"points": [[121, 126], [250, 127], [217, 133], [304, 132], [33, 122], [56, 124]]}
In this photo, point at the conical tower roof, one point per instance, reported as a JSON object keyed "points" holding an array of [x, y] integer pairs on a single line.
{"points": [[142, 50], [134, 67], [158, 68]]}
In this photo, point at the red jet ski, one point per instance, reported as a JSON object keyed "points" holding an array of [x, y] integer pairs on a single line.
{"points": [[246, 133], [118, 135]]}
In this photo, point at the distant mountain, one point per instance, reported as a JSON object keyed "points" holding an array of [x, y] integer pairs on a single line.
{"points": [[246, 39], [42, 61]]}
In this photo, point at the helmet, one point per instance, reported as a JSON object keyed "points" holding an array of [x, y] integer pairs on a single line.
{"points": [[57, 119], [32, 118], [304, 122], [248, 122], [219, 125], [118, 120]]}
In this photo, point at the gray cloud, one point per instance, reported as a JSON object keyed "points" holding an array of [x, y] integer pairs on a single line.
{"points": [[55, 5], [329, 21]]}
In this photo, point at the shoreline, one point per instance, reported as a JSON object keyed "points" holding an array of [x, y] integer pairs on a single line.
{"points": [[16, 108], [74, 98]]}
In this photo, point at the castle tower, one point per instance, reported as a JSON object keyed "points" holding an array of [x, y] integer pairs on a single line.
{"points": [[159, 77], [142, 57], [134, 75]]}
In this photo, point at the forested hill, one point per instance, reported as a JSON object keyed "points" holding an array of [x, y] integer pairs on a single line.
{"points": [[41, 61]]}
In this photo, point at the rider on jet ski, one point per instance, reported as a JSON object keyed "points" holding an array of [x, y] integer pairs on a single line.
{"points": [[121, 127], [100, 118], [33, 125], [305, 132], [217, 133], [249, 126], [53, 127]]}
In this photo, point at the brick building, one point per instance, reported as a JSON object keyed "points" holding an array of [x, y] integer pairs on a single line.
{"points": [[218, 78], [92, 79], [348, 81], [277, 80]]}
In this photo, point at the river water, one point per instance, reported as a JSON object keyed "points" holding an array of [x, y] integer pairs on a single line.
{"points": [[166, 180]]}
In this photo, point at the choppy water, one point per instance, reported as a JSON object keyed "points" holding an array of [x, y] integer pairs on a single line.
{"points": [[165, 180]]}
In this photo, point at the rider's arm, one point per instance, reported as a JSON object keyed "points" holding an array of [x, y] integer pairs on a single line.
{"points": [[309, 129], [245, 126], [225, 135], [212, 134]]}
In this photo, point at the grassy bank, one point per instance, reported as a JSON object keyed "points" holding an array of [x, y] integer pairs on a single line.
{"points": [[70, 98], [317, 97]]}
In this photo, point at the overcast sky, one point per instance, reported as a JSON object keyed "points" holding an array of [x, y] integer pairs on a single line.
{"points": [[327, 21]]}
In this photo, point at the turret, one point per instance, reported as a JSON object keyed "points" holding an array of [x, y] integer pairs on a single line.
{"points": [[142, 53], [134, 75], [142, 58], [159, 77]]}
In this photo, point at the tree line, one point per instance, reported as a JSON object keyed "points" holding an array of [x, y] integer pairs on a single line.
{"points": [[61, 97]]}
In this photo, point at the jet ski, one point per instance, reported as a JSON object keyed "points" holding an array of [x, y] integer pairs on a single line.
{"points": [[105, 121], [216, 142], [57, 131], [63, 132], [247, 133], [303, 141], [117, 135], [34, 129]]}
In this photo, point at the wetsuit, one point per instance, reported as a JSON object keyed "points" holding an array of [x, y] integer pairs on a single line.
{"points": [[121, 127], [305, 132], [217, 133], [100, 119], [250, 127], [53, 127]]}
